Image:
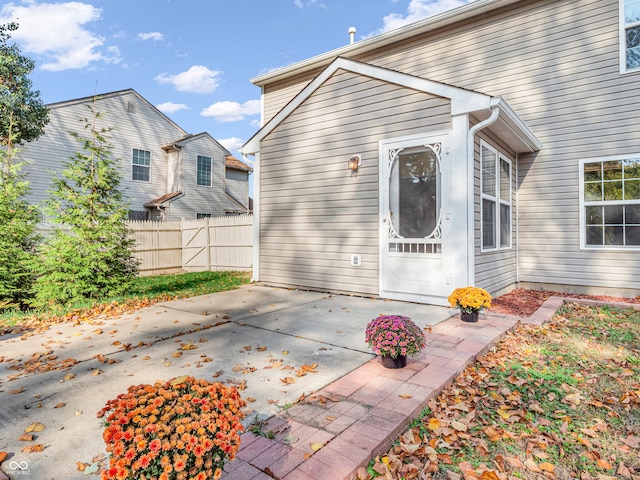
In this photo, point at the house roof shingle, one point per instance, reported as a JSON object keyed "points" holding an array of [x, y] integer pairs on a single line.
{"points": [[233, 162]]}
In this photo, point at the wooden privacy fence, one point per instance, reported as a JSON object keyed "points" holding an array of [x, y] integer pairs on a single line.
{"points": [[216, 243]]}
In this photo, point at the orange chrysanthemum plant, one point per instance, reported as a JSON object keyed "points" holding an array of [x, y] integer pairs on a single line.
{"points": [[183, 429], [470, 299]]}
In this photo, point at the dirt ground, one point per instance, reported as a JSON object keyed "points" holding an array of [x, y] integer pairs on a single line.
{"points": [[523, 303]]}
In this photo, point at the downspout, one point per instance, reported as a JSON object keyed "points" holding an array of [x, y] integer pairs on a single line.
{"points": [[495, 112]]}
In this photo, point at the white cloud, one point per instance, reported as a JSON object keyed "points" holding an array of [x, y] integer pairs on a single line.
{"points": [[170, 107], [198, 79], [417, 10], [57, 32], [231, 143], [309, 3], [155, 36], [231, 111]]}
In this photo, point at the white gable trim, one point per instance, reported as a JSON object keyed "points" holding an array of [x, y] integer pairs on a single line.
{"points": [[462, 101]]}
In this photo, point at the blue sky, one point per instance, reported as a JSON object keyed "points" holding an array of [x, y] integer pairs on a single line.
{"points": [[193, 59]]}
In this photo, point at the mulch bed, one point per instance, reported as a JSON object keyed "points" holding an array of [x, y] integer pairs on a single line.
{"points": [[524, 303]]}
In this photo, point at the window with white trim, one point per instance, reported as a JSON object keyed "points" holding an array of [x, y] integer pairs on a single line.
{"points": [[495, 188], [610, 202], [203, 175], [141, 168], [630, 35], [200, 216]]}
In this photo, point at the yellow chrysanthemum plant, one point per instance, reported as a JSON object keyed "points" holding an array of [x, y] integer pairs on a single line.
{"points": [[470, 299]]}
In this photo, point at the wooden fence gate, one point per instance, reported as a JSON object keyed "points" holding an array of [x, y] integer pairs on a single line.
{"points": [[216, 243]]}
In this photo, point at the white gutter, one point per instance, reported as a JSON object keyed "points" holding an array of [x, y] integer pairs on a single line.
{"points": [[495, 113]]}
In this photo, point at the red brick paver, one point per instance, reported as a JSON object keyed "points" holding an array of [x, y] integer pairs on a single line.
{"points": [[343, 426]]}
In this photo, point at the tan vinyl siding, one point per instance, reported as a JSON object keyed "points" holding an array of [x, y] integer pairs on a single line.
{"points": [[556, 63], [496, 271], [278, 95], [314, 212]]}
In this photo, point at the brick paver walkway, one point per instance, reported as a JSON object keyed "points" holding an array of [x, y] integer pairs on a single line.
{"points": [[340, 428]]}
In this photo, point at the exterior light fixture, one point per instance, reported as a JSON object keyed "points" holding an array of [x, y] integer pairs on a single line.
{"points": [[354, 162]]}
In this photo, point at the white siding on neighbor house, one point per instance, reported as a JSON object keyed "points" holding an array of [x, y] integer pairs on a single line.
{"points": [[556, 63], [314, 212], [133, 124], [199, 198], [237, 186], [174, 172]]}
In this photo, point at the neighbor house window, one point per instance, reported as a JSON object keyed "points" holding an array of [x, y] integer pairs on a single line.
{"points": [[141, 169], [495, 199], [202, 215], [610, 202], [630, 35], [203, 175]]}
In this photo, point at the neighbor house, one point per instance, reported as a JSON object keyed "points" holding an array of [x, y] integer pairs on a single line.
{"points": [[167, 174], [496, 145]]}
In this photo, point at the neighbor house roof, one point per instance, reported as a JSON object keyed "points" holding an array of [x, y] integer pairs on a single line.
{"points": [[234, 163], [164, 199]]}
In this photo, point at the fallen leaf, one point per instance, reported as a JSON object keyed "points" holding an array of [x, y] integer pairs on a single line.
{"points": [[96, 372], [3, 455], [16, 391], [25, 437], [290, 439], [60, 405], [434, 424], [288, 380], [69, 376], [604, 464], [81, 466], [532, 465], [38, 447], [547, 467], [315, 446], [622, 471], [459, 426], [176, 354], [179, 380], [405, 396], [35, 427], [285, 352]]}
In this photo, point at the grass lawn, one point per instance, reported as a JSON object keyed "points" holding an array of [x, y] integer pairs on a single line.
{"points": [[144, 291], [553, 402]]}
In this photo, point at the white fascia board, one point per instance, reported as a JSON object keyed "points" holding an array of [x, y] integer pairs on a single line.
{"points": [[517, 127], [462, 101]]}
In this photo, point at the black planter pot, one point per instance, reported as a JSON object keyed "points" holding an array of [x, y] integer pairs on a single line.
{"points": [[399, 362], [469, 317]]}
